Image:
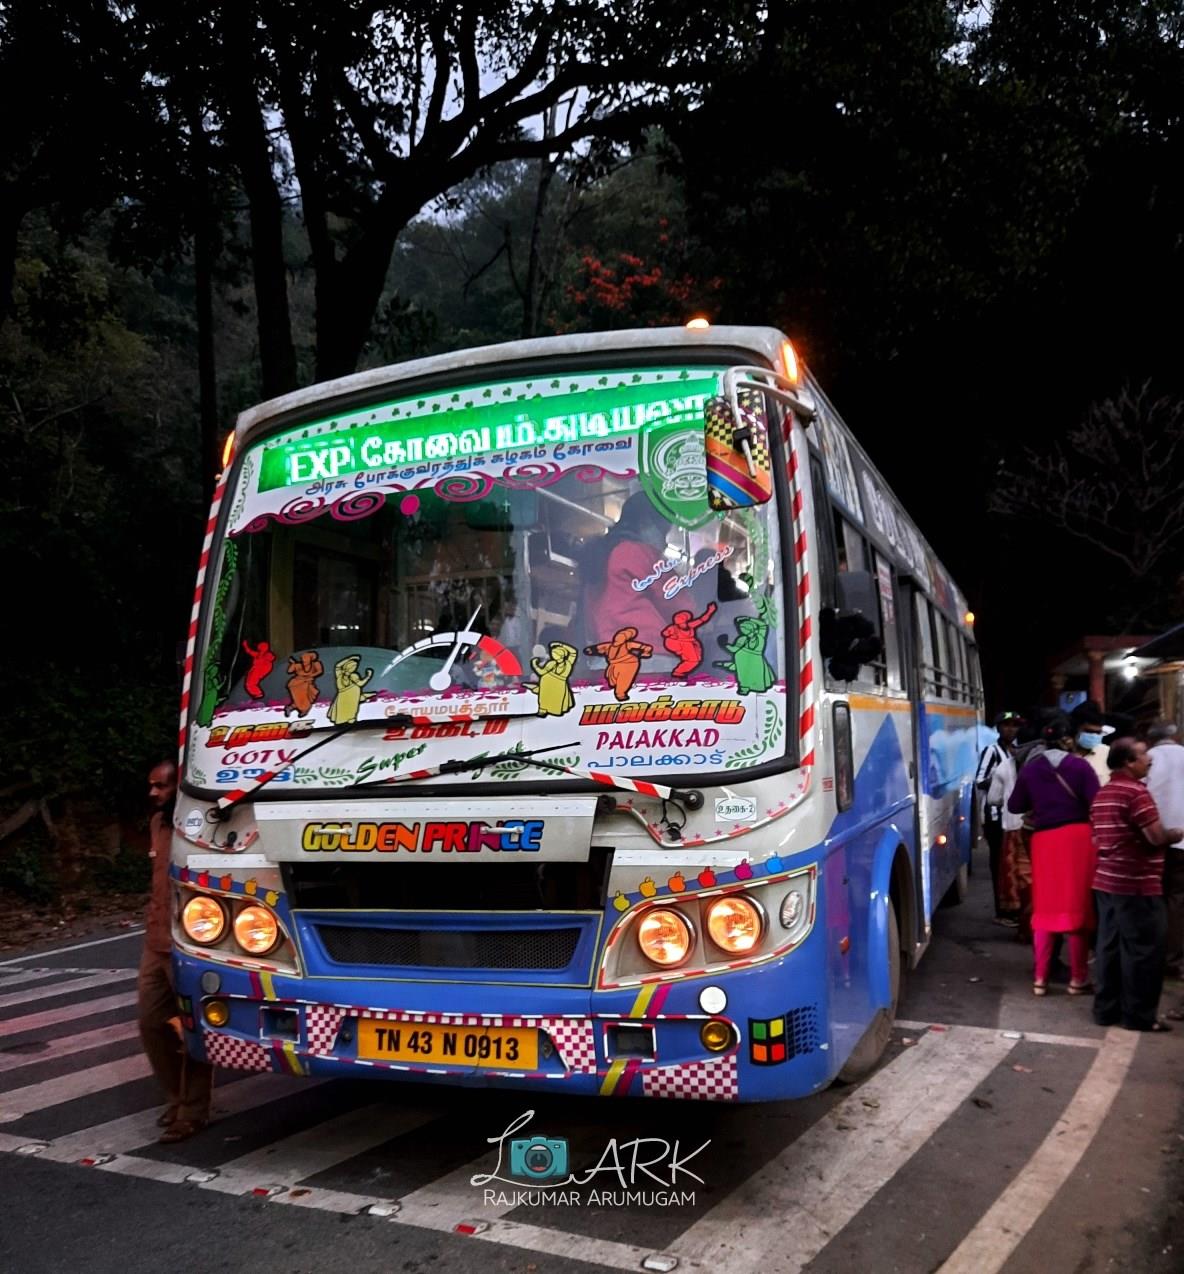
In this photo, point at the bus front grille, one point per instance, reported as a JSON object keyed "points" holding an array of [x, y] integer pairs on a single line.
{"points": [[528, 949]]}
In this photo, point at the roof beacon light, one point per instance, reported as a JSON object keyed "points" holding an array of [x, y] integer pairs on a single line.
{"points": [[698, 323], [789, 361], [228, 449]]}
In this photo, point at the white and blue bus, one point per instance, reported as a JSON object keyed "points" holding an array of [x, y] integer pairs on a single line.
{"points": [[574, 714]]}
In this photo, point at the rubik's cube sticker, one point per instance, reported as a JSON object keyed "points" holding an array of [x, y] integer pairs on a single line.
{"points": [[766, 1041], [185, 1007], [730, 484]]}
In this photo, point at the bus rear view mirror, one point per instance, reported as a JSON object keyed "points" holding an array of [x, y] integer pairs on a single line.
{"points": [[739, 468]]}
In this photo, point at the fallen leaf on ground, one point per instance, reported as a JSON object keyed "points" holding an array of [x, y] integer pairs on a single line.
{"points": [[982, 1103]]}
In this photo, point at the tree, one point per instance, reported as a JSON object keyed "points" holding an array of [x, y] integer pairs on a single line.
{"points": [[385, 109], [1112, 483], [75, 123]]}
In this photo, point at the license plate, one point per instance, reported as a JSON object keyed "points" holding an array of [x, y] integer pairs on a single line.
{"points": [[498, 1046]]}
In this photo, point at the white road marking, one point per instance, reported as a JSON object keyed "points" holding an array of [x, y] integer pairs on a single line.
{"points": [[304, 1154], [26, 976], [82, 1083], [1032, 1037], [576, 1247], [106, 977], [70, 1013], [118, 1136], [69, 1044], [784, 1215], [449, 1199], [78, 946], [999, 1232]]}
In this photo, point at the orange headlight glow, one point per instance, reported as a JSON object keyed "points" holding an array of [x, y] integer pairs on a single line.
{"points": [[734, 924], [664, 937], [256, 930], [204, 919]]}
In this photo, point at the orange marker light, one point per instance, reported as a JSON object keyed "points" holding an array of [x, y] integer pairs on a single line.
{"points": [[228, 449], [941, 840], [969, 617], [789, 361], [698, 323]]}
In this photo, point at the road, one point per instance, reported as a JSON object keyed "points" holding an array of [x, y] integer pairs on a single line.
{"points": [[1000, 1132]]}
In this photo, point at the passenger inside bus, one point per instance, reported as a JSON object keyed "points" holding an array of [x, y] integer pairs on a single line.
{"points": [[629, 551]]}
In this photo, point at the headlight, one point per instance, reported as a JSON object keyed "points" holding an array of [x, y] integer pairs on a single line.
{"points": [[793, 909], [734, 924], [204, 919], [664, 937], [256, 930]]}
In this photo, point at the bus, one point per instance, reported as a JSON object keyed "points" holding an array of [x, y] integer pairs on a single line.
{"points": [[576, 714]]}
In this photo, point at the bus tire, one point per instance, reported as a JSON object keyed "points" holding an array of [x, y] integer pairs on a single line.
{"points": [[958, 889], [870, 1048]]}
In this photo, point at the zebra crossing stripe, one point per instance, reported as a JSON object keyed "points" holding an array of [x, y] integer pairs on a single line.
{"points": [[69, 1013], [107, 977], [69, 1044], [316, 1149], [82, 1083], [792, 1208], [988, 1247], [118, 1136]]}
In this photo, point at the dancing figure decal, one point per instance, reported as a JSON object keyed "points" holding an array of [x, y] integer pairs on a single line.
{"points": [[623, 655], [679, 638]]}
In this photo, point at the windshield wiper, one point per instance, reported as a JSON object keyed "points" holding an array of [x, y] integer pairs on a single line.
{"points": [[475, 763], [226, 803]]}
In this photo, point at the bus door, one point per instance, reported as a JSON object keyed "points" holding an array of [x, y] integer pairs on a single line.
{"points": [[914, 645]]}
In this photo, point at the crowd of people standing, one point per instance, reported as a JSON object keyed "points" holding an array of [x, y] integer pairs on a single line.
{"points": [[1085, 828]]}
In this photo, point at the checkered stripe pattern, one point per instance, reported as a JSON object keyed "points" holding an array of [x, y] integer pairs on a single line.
{"points": [[726, 463], [716, 1080], [575, 1040], [321, 1023], [235, 1054]]}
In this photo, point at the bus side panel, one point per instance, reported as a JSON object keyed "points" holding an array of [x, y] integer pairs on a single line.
{"points": [[859, 852]]}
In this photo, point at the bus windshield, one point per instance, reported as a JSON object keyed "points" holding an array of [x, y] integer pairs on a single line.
{"points": [[534, 549]]}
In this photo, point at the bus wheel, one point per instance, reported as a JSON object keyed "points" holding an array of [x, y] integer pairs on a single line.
{"points": [[958, 889], [875, 1039]]}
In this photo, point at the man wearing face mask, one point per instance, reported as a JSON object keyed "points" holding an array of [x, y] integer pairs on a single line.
{"points": [[1087, 738]]}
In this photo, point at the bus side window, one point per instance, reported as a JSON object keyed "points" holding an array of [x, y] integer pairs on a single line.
{"points": [[824, 527], [941, 659], [890, 667], [851, 546], [928, 669], [976, 675], [959, 649]]}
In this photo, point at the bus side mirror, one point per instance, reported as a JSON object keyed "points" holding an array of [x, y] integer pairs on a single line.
{"points": [[739, 468]]}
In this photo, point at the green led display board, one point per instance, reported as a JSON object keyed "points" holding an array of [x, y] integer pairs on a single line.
{"points": [[484, 419]]}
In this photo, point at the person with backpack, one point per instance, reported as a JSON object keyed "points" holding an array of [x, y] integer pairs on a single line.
{"points": [[994, 780]]}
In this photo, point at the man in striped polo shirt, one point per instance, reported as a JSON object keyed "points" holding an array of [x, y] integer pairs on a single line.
{"points": [[1128, 885]]}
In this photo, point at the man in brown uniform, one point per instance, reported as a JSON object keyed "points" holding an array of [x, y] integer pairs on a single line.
{"points": [[187, 1083]]}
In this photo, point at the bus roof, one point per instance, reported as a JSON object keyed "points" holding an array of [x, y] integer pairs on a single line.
{"points": [[765, 342]]}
